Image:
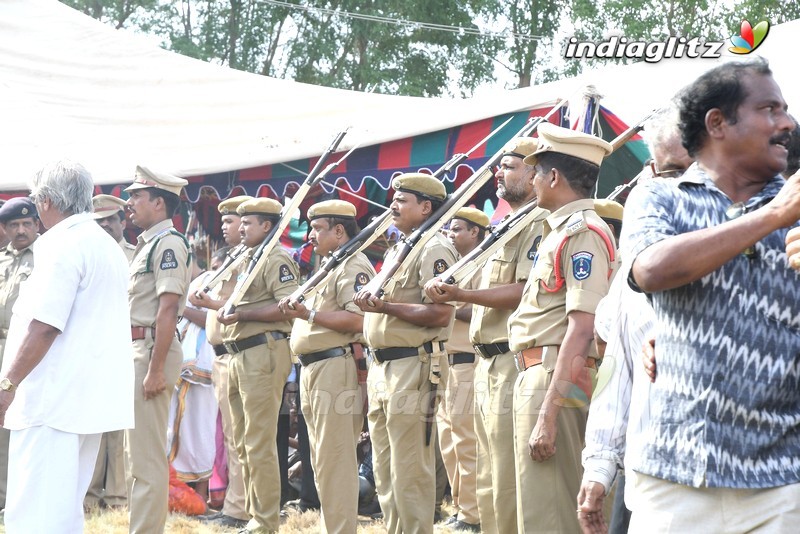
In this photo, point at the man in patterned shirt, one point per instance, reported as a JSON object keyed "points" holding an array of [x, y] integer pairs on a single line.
{"points": [[720, 452]]}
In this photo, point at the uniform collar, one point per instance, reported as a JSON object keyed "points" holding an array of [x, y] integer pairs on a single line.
{"points": [[158, 228], [559, 217]]}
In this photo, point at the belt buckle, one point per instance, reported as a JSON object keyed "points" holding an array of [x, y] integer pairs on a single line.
{"points": [[479, 349], [519, 362], [231, 347]]}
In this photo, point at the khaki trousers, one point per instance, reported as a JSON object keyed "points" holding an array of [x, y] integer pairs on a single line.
{"points": [[547, 491], [5, 436], [256, 378], [234, 494], [331, 403], [457, 439], [108, 481], [661, 506], [494, 428], [146, 464], [399, 392]]}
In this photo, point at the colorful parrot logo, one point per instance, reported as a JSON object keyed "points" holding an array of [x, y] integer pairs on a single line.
{"points": [[750, 38]]}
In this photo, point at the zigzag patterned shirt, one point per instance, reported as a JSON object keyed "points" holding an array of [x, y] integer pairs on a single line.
{"points": [[726, 402]]}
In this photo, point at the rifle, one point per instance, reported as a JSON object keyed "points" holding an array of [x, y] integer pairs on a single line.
{"points": [[233, 259], [374, 230], [512, 226], [413, 244], [494, 239], [261, 253], [623, 138]]}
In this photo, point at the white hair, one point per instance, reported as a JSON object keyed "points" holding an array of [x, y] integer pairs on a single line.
{"points": [[67, 184], [662, 127]]}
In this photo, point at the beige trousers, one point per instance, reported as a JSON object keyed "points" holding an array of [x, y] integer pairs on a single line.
{"points": [[662, 506], [255, 387], [547, 491], [333, 409], [457, 439], [108, 481], [494, 428], [234, 494], [146, 463], [403, 464]]}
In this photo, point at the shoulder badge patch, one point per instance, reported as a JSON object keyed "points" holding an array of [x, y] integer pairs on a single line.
{"points": [[581, 265], [168, 260], [361, 280], [439, 266], [285, 274], [534, 248]]}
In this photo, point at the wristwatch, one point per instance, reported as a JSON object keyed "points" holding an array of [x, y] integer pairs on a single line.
{"points": [[7, 385]]}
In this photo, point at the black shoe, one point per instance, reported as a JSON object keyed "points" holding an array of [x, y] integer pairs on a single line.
{"points": [[461, 526], [222, 520], [300, 506]]}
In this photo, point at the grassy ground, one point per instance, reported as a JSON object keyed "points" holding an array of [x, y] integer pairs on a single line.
{"points": [[116, 522]]}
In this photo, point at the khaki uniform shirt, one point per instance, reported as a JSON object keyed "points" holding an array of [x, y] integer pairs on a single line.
{"points": [[510, 264], [168, 272], [127, 248], [337, 295], [459, 338], [277, 279], [15, 267], [382, 330], [541, 319], [222, 292]]}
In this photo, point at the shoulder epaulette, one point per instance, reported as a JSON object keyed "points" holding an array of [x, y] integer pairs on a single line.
{"points": [[159, 237], [576, 224]]}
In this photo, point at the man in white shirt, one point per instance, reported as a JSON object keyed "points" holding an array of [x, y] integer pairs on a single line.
{"points": [[68, 374]]}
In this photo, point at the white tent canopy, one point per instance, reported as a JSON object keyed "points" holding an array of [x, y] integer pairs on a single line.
{"points": [[73, 87]]}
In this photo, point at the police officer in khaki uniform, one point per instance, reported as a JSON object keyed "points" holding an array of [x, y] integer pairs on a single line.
{"points": [[20, 222], [503, 277], [108, 486], [326, 337], [109, 213], [405, 333], [456, 424], [233, 513], [552, 330], [256, 336], [157, 293]]}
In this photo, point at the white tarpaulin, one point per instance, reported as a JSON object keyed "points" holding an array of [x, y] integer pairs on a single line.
{"points": [[73, 87]]}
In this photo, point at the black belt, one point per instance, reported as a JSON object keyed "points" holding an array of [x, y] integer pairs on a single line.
{"points": [[220, 349], [313, 357], [252, 341], [487, 350], [398, 353], [461, 357]]}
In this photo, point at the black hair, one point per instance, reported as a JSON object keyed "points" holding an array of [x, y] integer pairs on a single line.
{"points": [[720, 88], [579, 173], [171, 200], [350, 225]]}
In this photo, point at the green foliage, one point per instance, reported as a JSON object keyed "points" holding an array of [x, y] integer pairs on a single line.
{"points": [[315, 43]]}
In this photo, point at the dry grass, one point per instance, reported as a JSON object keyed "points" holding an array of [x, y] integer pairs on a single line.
{"points": [[116, 522]]}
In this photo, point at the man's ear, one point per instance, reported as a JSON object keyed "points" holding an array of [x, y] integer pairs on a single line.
{"points": [[427, 207], [715, 122]]}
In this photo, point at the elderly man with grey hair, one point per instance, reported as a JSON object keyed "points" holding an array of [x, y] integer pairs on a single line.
{"points": [[67, 375]]}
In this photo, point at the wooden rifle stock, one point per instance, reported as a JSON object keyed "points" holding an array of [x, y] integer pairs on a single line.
{"points": [[419, 237], [273, 237], [233, 259]]}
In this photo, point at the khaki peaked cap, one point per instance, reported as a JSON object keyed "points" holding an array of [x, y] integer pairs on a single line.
{"points": [[260, 206], [106, 206], [520, 147], [332, 208], [473, 215], [146, 178], [608, 209], [423, 185], [564, 141], [229, 206]]}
